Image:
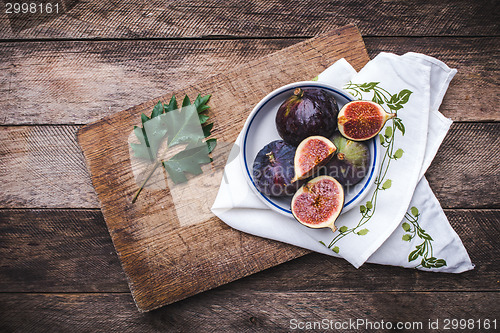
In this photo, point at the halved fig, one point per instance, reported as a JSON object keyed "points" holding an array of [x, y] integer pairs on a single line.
{"points": [[318, 203], [312, 153], [362, 120]]}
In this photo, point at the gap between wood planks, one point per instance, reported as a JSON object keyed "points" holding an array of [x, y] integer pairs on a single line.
{"points": [[220, 38]]}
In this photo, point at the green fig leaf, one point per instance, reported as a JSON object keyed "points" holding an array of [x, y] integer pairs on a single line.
{"points": [[186, 101], [185, 126]]}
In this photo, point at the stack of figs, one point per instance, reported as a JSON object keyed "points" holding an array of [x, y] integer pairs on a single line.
{"points": [[322, 152]]}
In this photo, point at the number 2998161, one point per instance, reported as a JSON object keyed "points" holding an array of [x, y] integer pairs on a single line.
{"points": [[31, 8]]}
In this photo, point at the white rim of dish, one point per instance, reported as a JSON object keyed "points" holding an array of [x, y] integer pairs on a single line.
{"points": [[243, 161]]}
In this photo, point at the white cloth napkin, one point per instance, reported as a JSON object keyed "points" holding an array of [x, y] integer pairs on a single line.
{"points": [[403, 223]]}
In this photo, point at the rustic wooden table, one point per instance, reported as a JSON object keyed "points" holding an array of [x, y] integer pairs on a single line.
{"points": [[58, 268]]}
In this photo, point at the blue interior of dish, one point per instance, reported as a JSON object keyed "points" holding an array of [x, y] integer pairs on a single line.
{"points": [[370, 177]]}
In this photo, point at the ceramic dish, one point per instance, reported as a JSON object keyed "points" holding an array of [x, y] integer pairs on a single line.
{"points": [[260, 129]]}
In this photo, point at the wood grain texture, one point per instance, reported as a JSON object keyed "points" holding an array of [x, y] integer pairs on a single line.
{"points": [[233, 311], [164, 250], [460, 151], [42, 166], [476, 83], [80, 82], [218, 18], [62, 249], [71, 251]]}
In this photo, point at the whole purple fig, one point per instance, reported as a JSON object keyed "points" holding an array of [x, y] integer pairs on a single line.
{"points": [[273, 169], [308, 112]]}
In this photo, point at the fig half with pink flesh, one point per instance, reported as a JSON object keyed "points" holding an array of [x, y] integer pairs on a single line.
{"points": [[312, 153], [318, 203], [362, 120]]}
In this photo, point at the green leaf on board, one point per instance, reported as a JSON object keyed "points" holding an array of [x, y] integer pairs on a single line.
{"points": [[369, 205], [187, 161], [314, 78], [382, 139], [406, 237], [406, 226], [362, 209], [414, 211], [336, 249], [183, 126], [343, 229], [387, 184]]}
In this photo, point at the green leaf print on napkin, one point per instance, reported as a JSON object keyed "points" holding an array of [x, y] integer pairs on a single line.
{"points": [[424, 250], [394, 102]]}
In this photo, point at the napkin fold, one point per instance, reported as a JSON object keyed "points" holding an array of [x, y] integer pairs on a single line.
{"points": [[400, 222]]}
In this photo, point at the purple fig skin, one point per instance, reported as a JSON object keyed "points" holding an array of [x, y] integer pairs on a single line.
{"points": [[273, 169], [351, 163], [308, 112]]}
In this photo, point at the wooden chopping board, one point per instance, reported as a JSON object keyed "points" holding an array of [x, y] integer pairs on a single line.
{"points": [[169, 243]]}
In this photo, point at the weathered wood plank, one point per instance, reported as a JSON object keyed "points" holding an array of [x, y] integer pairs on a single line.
{"points": [[80, 82], [42, 166], [71, 251], [63, 250], [235, 311], [186, 18], [466, 171], [476, 83]]}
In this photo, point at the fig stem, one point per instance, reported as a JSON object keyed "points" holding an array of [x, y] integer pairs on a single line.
{"points": [[271, 157], [298, 92], [341, 156], [333, 227], [145, 181]]}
